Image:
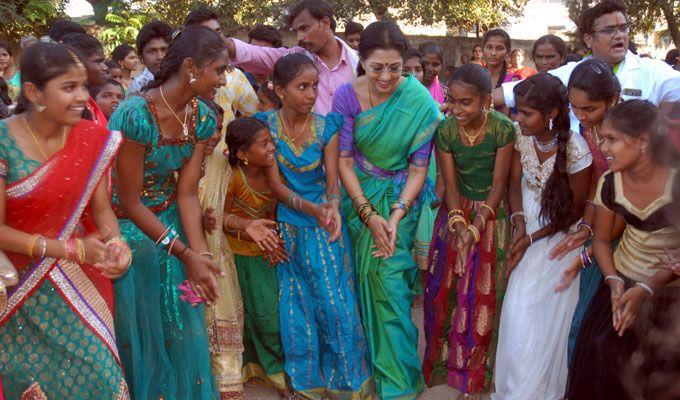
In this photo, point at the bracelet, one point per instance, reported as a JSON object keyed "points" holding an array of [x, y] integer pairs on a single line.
{"points": [[399, 206], [205, 254], [614, 278], [646, 287], [590, 230], [162, 236], [475, 233], [531, 239], [590, 203], [456, 212], [512, 217], [238, 234], [586, 261], [71, 251], [452, 223], [172, 243], [31, 244], [332, 197], [493, 213], [43, 246], [80, 251], [226, 221], [359, 196]]}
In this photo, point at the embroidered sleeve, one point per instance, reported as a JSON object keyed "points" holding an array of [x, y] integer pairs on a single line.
{"points": [[206, 122], [505, 132]]}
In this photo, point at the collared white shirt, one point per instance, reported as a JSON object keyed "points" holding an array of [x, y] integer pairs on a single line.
{"points": [[140, 82], [640, 78]]}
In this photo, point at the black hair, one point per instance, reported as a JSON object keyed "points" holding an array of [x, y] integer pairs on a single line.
{"points": [[432, 48], [40, 63], [270, 94], [289, 67], [545, 93], [196, 42], [508, 45], [317, 8], [96, 89], [353, 28], [199, 16], [120, 52], [153, 30], [63, 27], [84, 43], [216, 108], [635, 117], [672, 57], [110, 64], [381, 35], [572, 57], [241, 134], [588, 17], [596, 79], [4, 92], [265, 33], [413, 53], [473, 75], [5, 45], [555, 41]]}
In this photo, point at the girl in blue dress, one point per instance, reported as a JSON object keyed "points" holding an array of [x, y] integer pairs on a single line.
{"points": [[324, 345]]}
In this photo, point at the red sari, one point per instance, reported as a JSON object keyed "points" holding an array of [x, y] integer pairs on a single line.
{"points": [[53, 201]]}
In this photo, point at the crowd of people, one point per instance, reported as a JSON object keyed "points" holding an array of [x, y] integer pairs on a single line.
{"points": [[242, 212]]}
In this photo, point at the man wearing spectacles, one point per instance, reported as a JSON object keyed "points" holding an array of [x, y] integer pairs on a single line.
{"points": [[604, 29]]}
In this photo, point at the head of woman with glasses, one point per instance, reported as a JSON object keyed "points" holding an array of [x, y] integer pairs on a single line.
{"points": [[381, 51], [604, 29]]}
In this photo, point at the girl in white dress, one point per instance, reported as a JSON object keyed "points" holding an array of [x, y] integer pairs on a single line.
{"points": [[549, 178]]}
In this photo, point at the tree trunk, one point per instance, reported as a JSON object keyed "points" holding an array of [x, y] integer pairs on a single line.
{"points": [[671, 20], [101, 8]]}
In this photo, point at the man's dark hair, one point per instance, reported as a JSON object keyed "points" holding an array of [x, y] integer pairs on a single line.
{"points": [[589, 16], [63, 27], [153, 30], [317, 8], [265, 33], [86, 44], [199, 16], [352, 28]]}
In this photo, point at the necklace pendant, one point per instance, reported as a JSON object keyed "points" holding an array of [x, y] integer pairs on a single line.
{"points": [[185, 132]]}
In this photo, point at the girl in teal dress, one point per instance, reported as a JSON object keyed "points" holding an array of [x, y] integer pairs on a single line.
{"points": [[325, 349], [162, 338]]}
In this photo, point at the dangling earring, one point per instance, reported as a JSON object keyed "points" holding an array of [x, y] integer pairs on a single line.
{"points": [[550, 124], [245, 161], [486, 110], [40, 108], [192, 79]]}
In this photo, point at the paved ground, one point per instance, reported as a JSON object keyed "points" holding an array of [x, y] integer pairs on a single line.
{"points": [[436, 393]]}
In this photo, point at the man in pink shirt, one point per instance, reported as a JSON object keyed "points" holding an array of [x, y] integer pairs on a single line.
{"points": [[313, 22]]}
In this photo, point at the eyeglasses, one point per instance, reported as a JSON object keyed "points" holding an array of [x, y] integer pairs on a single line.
{"points": [[611, 30], [392, 70]]}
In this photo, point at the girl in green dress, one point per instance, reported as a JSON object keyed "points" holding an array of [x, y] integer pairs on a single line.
{"points": [[466, 272], [162, 339]]}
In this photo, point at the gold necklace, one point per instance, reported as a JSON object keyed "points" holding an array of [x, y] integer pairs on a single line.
{"points": [[472, 138], [596, 137], [288, 130], [37, 143], [185, 128]]}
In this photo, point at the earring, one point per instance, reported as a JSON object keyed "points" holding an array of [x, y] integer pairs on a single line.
{"points": [[192, 79], [226, 152], [550, 124], [245, 161], [40, 107], [486, 110]]}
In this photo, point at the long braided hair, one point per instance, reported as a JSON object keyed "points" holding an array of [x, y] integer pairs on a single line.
{"points": [[546, 93]]}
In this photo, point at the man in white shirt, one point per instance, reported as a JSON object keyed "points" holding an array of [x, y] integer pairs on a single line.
{"points": [[604, 29]]}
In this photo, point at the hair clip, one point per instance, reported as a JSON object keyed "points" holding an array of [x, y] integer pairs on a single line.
{"points": [[175, 34], [596, 69]]}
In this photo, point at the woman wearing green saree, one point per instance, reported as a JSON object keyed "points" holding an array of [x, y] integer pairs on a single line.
{"points": [[385, 146]]}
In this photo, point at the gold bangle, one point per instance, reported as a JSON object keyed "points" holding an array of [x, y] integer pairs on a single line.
{"points": [[452, 223], [207, 254], [359, 196], [493, 213], [475, 232], [31, 244], [80, 251], [456, 212]]}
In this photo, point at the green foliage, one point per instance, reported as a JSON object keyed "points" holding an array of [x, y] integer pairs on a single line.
{"points": [[24, 17], [120, 29], [643, 15]]}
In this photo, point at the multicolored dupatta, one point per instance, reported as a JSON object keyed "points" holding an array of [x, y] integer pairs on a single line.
{"points": [[51, 202]]}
